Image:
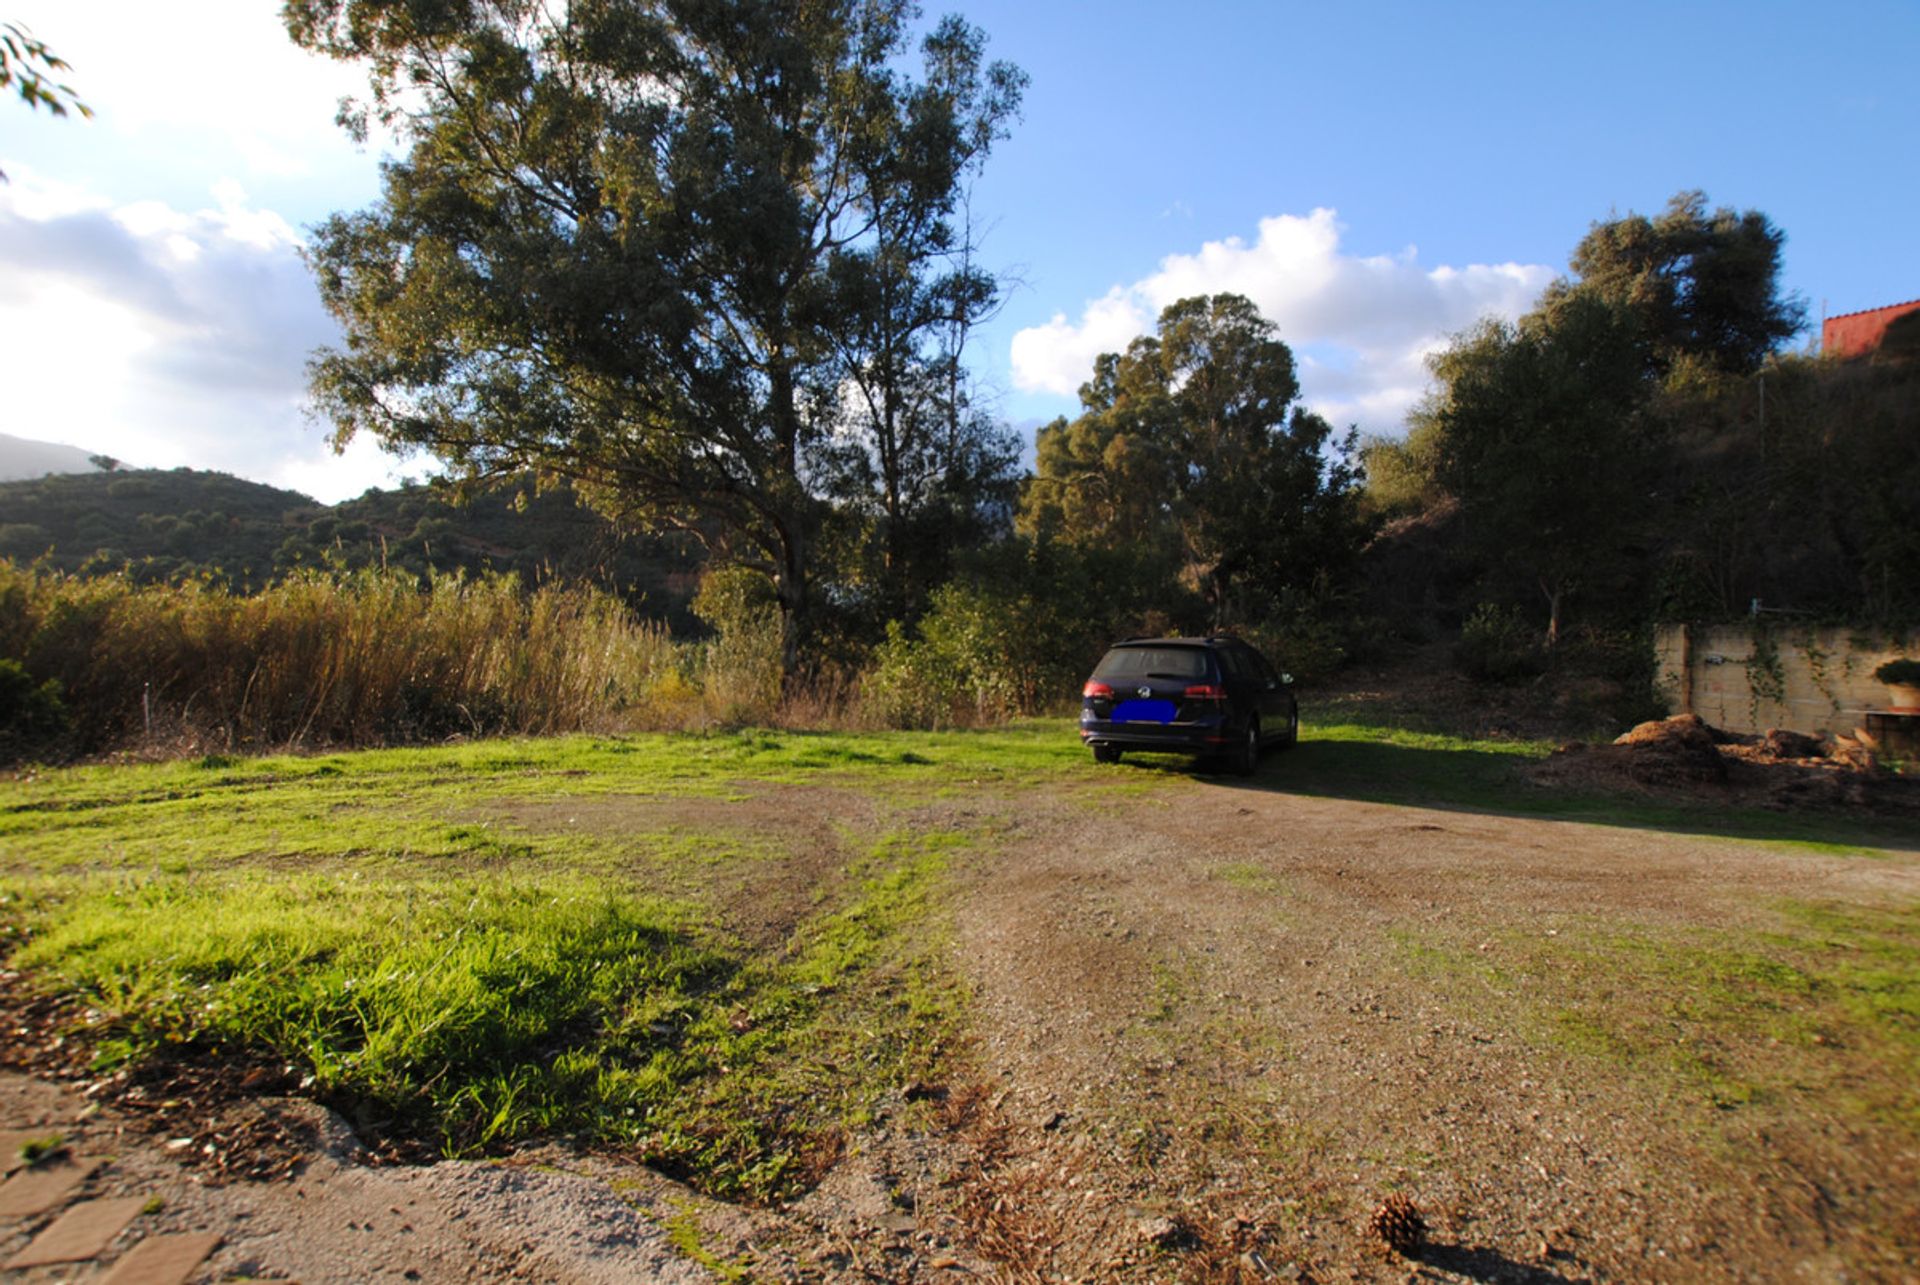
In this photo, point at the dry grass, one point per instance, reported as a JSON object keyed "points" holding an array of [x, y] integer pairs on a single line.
{"points": [[366, 658]]}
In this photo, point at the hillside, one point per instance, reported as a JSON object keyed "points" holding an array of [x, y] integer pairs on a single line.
{"points": [[22, 457], [167, 524]]}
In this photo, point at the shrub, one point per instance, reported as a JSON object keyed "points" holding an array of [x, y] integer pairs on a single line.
{"points": [[1497, 645], [909, 684], [1307, 636], [32, 715]]}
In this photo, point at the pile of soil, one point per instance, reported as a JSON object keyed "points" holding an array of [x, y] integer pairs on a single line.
{"points": [[1686, 758]]}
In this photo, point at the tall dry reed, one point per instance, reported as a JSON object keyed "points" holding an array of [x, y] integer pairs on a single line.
{"points": [[368, 657]]}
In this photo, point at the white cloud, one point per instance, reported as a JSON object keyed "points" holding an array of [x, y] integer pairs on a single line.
{"points": [[166, 337], [1361, 327], [220, 74]]}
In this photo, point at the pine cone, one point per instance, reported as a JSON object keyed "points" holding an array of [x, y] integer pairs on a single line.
{"points": [[1397, 1222]]}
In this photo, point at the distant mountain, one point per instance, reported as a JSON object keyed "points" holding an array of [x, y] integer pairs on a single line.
{"points": [[22, 458], [162, 525]]}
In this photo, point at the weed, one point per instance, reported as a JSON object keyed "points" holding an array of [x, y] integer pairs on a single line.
{"points": [[685, 1233], [1248, 875], [34, 1150]]}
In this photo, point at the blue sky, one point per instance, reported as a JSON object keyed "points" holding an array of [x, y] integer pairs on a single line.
{"points": [[1375, 176]]}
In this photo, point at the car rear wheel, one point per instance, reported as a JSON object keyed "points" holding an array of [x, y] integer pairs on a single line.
{"points": [[1106, 753], [1292, 737], [1248, 756]]}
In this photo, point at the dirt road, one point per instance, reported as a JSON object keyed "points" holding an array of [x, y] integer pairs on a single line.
{"points": [[1238, 1018]]}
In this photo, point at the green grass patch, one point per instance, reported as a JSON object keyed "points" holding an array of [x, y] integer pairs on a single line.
{"points": [[1248, 876], [480, 1010], [34, 1150], [377, 920]]}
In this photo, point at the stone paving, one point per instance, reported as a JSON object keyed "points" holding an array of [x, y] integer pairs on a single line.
{"points": [[59, 1218], [90, 1193]]}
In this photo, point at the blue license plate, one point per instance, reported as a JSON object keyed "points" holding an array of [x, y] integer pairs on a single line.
{"points": [[1143, 711]]}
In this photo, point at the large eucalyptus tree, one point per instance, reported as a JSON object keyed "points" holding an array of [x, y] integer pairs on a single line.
{"points": [[665, 249]]}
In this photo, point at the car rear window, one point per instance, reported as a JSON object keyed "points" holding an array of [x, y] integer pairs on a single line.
{"points": [[1138, 662]]}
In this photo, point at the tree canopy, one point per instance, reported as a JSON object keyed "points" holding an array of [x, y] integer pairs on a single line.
{"points": [[1704, 284], [702, 259], [1538, 432], [1190, 449], [1634, 444]]}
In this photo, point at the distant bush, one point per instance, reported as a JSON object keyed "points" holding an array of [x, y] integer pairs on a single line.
{"points": [[1015, 635], [909, 683], [32, 716], [366, 657], [1306, 636], [1498, 645]]}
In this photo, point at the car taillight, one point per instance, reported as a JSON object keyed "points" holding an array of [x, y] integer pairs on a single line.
{"points": [[1097, 690], [1206, 692]]}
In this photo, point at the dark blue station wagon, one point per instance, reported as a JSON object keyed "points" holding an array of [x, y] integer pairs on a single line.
{"points": [[1209, 696]]}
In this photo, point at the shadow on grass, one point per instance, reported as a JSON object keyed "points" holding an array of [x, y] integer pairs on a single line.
{"points": [[1467, 779]]}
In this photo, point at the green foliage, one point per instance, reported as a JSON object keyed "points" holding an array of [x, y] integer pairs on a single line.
{"points": [[974, 661], [1402, 474], [1016, 633], [652, 251], [909, 683], [29, 68], [1498, 646], [1791, 486], [33, 718], [1310, 642], [1543, 441], [1634, 447], [1702, 285], [1190, 451]]}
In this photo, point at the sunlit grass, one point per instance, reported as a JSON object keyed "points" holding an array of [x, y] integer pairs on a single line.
{"points": [[387, 922]]}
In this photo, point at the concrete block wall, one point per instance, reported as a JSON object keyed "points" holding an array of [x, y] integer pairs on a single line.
{"points": [[1750, 677]]}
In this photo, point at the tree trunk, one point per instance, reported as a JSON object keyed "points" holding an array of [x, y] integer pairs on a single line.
{"points": [[791, 588], [1554, 594]]}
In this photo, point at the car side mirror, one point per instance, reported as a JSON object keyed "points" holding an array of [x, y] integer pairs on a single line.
{"points": [[1287, 679]]}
